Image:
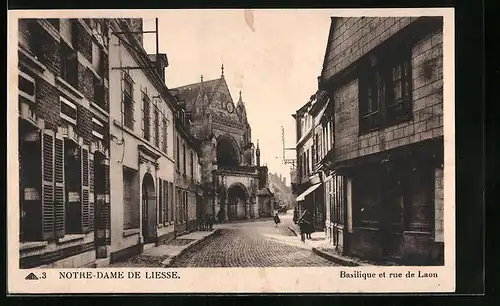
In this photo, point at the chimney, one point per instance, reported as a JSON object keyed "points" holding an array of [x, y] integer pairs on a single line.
{"points": [[160, 63]]}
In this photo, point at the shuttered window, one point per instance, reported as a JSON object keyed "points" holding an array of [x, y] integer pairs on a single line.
{"points": [[47, 142], [157, 126], [171, 204], [160, 202], [59, 188], [85, 194], [91, 191], [146, 116], [128, 102]]}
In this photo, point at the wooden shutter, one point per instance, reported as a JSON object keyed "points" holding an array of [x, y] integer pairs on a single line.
{"points": [[59, 187], [47, 143], [107, 212], [91, 191], [159, 205], [85, 191]]}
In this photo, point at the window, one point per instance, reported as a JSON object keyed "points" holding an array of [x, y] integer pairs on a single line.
{"points": [[26, 87], [164, 135], [178, 159], [98, 129], [69, 64], [184, 159], [131, 218], [128, 103], [97, 58], [172, 202], [146, 110], [68, 110], [191, 165], [99, 91], [157, 126], [160, 201], [66, 30], [385, 92]]}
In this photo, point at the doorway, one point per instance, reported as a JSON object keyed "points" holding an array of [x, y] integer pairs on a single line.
{"points": [[237, 200], [100, 205], [148, 209]]}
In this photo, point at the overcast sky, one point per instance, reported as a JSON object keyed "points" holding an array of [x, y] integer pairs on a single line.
{"points": [[275, 63]]}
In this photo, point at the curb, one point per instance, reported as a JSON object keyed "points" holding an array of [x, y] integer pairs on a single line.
{"points": [[337, 258], [166, 263], [333, 258]]}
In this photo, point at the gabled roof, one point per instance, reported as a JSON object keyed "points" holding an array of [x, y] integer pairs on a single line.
{"points": [[190, 92]]}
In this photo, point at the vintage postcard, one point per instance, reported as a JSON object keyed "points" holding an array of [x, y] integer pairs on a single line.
{"points": [[231, 151]]}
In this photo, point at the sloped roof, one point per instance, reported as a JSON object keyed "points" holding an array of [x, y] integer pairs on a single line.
{"points": [[190, 92]]}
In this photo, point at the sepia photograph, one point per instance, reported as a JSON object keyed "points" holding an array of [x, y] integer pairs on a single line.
{"points": [[230, 139]]}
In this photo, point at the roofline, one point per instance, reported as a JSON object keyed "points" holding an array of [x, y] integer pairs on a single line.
{"points": [[328, 44], [193, 84]]}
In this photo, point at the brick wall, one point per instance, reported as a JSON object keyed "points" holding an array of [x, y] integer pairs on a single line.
{"points": [[46, 47], [84, 124], [85, 82], [83, 41], [427, 97], [355, 36], [48, 106]]}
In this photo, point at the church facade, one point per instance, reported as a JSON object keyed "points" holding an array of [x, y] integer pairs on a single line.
{"points": [[234, 181]]}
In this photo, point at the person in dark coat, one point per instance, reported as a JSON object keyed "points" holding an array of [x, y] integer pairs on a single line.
{"points": [[296, 215], [305, 224], [276, 219]]}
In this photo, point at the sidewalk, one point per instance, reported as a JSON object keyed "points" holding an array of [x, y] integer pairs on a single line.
{"points": [[320, 246], [162, 255]]}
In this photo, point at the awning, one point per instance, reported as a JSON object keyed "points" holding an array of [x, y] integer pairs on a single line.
{"points": [[303, 195]]}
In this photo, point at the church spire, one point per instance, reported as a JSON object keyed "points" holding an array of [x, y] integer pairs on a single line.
{"points": [[222, 70], [257, 154]]}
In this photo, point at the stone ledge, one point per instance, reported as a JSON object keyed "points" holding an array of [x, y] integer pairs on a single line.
{"points": [[167, 262], [130, 232]]}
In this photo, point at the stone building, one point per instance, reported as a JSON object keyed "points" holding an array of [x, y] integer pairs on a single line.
{"points": [[142, 133], [64, 139], [311, 147], [385, 79], [188, 192], [231, 173]]}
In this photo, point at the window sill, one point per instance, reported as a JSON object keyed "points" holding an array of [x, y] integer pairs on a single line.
{"points": [[99, 108], [425, 233], [130, 232], [26, 246], [69, 87], [70, 238], [365, 228], [32, 59]]}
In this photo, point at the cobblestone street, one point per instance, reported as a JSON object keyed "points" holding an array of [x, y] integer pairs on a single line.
{"points": [[251, 244]]}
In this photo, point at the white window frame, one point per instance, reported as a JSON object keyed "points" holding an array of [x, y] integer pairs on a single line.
{"points": [[95, 133], [31, 98], [70, 104]]}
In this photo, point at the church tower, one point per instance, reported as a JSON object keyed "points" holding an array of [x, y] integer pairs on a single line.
{"points": [[257, 154]]}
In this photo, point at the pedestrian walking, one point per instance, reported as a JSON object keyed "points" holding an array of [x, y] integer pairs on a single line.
{"points": [[296, 215], [305, 224], [276, 219]]}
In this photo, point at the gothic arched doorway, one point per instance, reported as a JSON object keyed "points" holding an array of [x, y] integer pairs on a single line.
{"points": [[237, 197], [228, 153], [148, 208]]}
